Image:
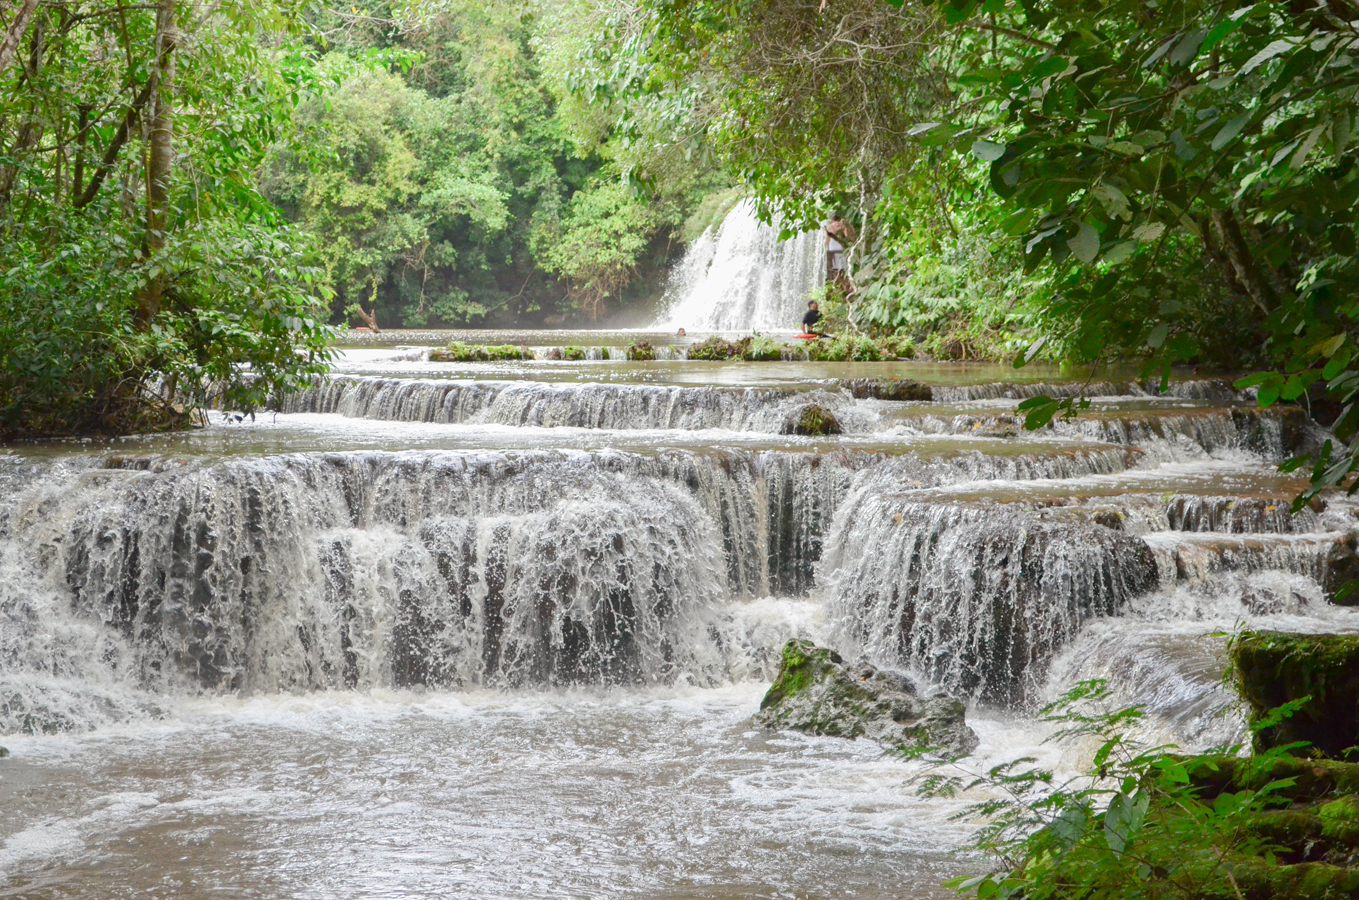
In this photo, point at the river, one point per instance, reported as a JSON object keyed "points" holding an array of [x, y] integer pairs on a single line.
{"points": [[497, 629]]}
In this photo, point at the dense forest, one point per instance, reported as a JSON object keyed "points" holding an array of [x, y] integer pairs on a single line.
{"points": [[185, 187]]}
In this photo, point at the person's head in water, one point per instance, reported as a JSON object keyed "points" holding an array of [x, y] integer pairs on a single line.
{"points": [[679, 333]]}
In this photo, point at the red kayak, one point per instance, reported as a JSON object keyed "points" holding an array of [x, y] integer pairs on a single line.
{"points": [[809, 337]]}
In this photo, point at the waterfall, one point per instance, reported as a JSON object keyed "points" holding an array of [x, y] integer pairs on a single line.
{"points": [[743, 278]]}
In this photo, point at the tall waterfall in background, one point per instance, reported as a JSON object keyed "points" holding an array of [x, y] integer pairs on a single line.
{"points": [[743, 278]]}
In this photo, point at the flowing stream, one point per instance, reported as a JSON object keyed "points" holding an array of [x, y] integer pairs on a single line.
{"points": [[498, 630]]}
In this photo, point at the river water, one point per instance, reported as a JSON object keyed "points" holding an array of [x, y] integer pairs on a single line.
{"points": [[498, 629]]}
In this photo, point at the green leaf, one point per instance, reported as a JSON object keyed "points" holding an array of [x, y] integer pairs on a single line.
{"points": [[1336, 365], [1028, 355], [1085, 245], [988, 151], [1231, 130], [1114, 200], [1327, 348], [1158, 335], [1273, 49], [1222, 30]]}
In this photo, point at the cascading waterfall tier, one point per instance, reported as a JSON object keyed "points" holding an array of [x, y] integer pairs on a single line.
{"points": [[599, 406], [434, 569], [743, 278], [940, 537], [975, 597]]}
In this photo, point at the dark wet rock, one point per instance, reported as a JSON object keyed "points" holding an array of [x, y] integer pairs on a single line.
{"points": [[1273, 668], [1341, 568], [889, 389], [818, 693], [813, 419], [4, 752]]}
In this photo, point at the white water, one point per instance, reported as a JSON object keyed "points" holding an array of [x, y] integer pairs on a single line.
{"points": [[440, 638], [743, 278]]}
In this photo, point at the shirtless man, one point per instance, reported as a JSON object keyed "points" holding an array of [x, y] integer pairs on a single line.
{"points": [[837, 232]]}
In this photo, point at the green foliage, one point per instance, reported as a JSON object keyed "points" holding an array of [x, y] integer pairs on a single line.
{"points": [[602, 238], [428, 187], [573, 354], [124, 310], [752, 348], [845, 348], [814, 419], [642, 350], [1147, 822]]}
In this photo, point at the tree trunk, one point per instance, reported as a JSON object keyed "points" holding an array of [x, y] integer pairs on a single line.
{"points": [[15, 32], [30, 133], [160, 155], [1234, 247]]}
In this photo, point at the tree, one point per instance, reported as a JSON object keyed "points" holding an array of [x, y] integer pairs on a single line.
{"points": [[144, 276]]}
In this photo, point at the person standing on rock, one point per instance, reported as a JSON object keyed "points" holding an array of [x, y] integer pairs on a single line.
{"points": [[838, 231]]}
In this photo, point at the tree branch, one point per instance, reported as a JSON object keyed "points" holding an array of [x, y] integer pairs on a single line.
{"points": [[15, 32]]}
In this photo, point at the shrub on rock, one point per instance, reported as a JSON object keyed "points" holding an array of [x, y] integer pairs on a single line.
{"points": [[812, 419]]}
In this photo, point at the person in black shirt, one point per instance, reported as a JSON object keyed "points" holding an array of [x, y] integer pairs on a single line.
{"points": [[810, 318]]}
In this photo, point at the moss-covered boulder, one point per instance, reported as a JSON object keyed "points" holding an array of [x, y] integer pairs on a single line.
{"points": [[714, 349], [1311, 827], [812, 419], [1342, 568], [3, 752], [641, 351], [818, 693], [1273, 668], [457, 351], [889, 389]]}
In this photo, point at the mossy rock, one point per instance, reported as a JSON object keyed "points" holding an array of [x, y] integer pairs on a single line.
{"points": [[812, 419], [1308, 780], [1341, 568], [889, 389], [714, 349], [4, 751], [758, 348], [457, 351], [641, 351], [1259, 879], [573, 354], [817, 693], [1273, 668]]}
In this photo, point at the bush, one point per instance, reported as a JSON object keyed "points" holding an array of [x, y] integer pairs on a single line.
{"points": [[1147, 822], [642, 350], [759, 348], [573, 354], [845, 348], [237, 324]]}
